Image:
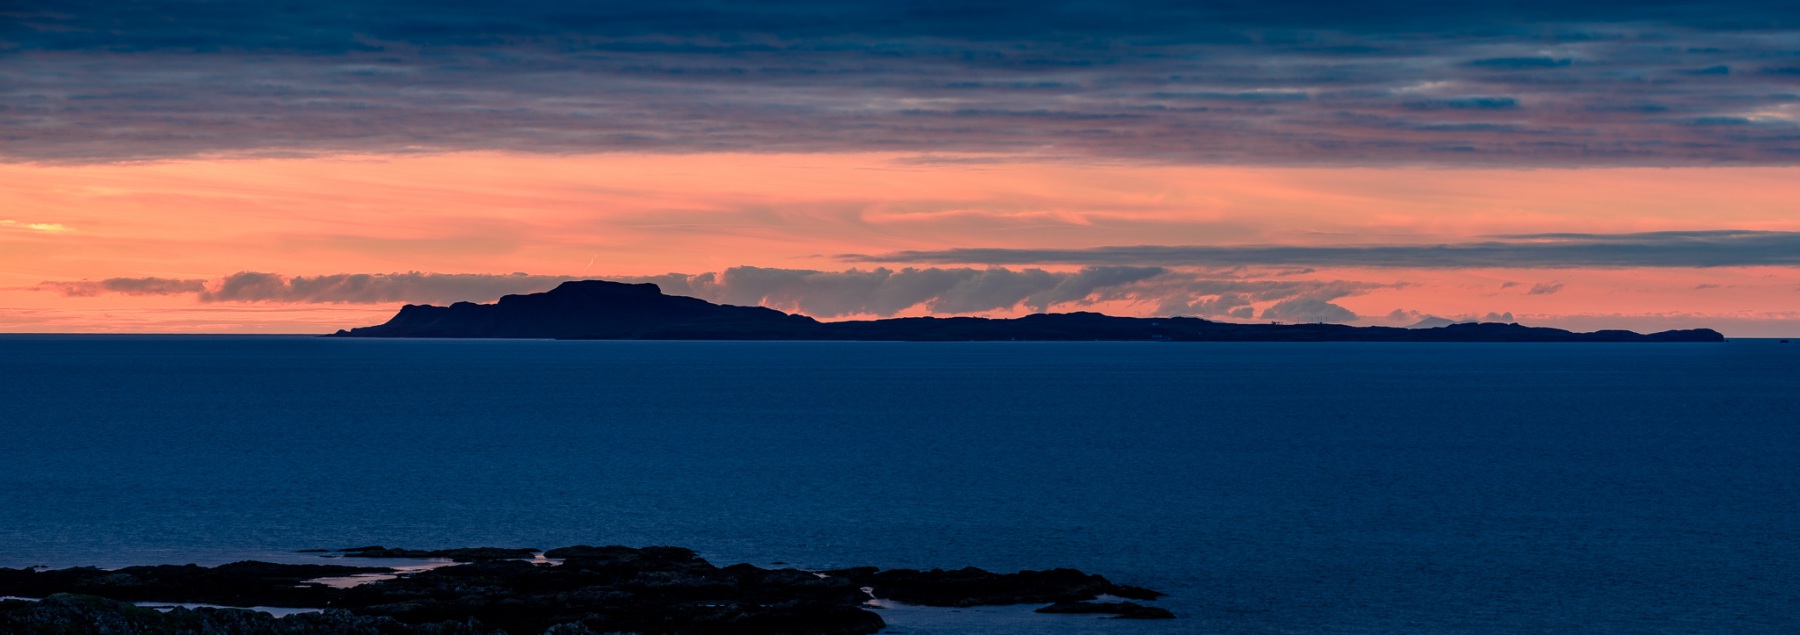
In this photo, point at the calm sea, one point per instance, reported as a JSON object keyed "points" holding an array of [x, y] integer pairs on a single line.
{"points": [[1269, 487]]}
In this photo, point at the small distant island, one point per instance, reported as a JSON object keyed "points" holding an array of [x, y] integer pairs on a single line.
{"points": [[603, 310]]}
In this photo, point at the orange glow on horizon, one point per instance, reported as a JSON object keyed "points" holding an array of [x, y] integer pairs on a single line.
{"points": [[637, 214]]}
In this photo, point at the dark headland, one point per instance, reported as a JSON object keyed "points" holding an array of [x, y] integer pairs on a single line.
{"points": [[601, 310]]}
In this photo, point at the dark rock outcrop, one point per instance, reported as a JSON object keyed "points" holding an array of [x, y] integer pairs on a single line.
{"points": [[235, 584], [592, 590], [604, 595], [82, 614], [597, 309], [1119, 610]]}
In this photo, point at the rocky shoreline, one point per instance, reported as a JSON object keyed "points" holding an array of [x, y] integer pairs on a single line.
{"points": [[567, 591]]}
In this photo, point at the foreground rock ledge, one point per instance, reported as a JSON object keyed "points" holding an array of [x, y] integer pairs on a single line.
{"points": [[593, 590]]}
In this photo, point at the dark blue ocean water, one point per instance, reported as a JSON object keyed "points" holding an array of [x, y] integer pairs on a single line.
{"points": [[1270, 488]]}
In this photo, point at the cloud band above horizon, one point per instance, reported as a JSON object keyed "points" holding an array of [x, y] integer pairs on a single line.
{"points": [[1686, 249], [879, 292]]}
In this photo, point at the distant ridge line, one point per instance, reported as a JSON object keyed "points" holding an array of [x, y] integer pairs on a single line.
{"points": [[599, 309]]}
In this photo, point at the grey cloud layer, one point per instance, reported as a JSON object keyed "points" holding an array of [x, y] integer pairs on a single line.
{"points": [[1574, 83], [886, 292], [1653, 249], [825, 294], [442, 288], [127, 286]]}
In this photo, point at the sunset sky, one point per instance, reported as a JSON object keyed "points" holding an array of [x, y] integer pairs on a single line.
{"points": [[270, 168]]}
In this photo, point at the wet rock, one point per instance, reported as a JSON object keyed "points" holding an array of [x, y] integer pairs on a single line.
{"points": [[78, 614], [235, 584], [610, 589]]}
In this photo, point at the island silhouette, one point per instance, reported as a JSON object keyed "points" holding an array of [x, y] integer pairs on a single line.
{"points": [[604, 310]]}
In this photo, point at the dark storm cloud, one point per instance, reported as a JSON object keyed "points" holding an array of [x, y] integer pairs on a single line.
{"points": [[1470, 83], [825, 294], [1726, 248]]}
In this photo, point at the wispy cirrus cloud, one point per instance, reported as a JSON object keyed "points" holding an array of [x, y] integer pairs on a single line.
{"points": [[1293, 83], [1722, 248], [48, 228]]}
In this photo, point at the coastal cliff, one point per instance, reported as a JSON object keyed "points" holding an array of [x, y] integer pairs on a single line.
{"points": [[598, 309]]}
